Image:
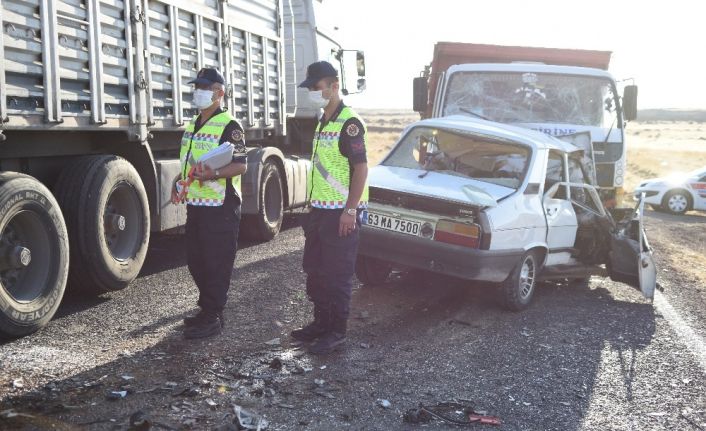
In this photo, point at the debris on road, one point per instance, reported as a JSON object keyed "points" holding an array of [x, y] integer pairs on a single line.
{"points": [[249, 420], [274, 342], [115, 395], [450, 412], [276, 364], [385, 404]]}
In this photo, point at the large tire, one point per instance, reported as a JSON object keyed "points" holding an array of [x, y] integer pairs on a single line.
{"points": [[34, 255], [107, 216], [676, 202], [518, 289], [371, 271], [266, 224]]}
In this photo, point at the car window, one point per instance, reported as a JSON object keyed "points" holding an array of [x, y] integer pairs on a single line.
{"points": [[555, 174], [702, 179], [577, 176], [576, 172], [461, 154]]}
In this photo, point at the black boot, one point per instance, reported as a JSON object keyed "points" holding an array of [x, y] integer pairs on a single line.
{"points": [[209, 325], [200, 316], [334, 338], [315, 329]]}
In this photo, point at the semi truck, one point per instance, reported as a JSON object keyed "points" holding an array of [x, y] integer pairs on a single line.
{"points": [[567, 93], [94, 97]]}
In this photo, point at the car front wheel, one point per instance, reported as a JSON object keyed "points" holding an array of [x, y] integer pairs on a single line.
{"points": [[676, 202]]}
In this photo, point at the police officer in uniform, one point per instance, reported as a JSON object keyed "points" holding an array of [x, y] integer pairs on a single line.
{"points": [[337, 192], [212, 202]]}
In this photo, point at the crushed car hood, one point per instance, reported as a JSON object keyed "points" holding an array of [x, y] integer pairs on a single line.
{"points": [[438, 185]]}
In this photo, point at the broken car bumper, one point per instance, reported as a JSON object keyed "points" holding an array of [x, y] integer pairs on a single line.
{"points": [[423, 253]]}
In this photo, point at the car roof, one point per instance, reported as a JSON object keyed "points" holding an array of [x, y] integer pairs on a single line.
{"points": [[491, 129]]}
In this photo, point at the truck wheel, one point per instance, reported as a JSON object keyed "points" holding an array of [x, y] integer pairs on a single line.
{"points": [[371, 271], [34, 255], [676, 202], [266, 224], [518, 289], [107, 216]]}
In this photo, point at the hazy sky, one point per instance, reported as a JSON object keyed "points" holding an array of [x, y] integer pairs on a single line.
{"points": [[662, 45]]}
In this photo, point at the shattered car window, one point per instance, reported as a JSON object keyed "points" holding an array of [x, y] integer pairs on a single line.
{"points": [[513, 97], [461, 154]]}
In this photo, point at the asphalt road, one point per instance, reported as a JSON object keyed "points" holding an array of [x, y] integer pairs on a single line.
{"points": [[580, 358]]}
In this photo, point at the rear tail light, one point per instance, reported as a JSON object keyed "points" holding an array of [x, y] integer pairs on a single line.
{"points": [[463, 234]]}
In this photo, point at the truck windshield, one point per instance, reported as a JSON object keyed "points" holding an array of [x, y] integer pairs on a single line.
{"points": [[461, 154], [514, 97]]}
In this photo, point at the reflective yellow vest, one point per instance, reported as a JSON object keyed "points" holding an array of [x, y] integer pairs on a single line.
{"points": [[330, 178], [193, 146]]}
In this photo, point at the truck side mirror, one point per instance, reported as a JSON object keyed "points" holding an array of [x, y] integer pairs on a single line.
{"points": [[630, 102], [360, 63], [421, 94], [361, 84]]}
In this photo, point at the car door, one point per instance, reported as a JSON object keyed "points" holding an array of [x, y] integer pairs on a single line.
{"points": [[699, 192], [631, 259], [558, 211]]}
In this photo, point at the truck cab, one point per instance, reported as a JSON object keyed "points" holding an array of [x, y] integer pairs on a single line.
{"points": [[560, 92]]}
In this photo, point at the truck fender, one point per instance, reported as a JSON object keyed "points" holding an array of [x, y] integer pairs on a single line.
{"points": [[250, 184]]}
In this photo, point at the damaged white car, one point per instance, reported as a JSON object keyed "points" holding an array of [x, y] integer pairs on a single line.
{"points": [[484, 201]]}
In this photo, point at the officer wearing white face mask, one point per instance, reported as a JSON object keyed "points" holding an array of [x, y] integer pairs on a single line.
{"points": [[337, 192], [213, 202]]}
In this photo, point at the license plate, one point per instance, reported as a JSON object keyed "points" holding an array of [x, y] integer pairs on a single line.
{"points": [[394, 224]]}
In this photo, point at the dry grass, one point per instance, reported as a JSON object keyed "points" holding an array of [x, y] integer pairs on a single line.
{"points": [[655, 149]]}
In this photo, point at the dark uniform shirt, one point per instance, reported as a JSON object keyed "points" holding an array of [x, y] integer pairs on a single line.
{"points": [[234, 134]]}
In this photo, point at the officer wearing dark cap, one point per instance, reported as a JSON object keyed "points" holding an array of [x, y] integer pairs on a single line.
{"points": [[337, 191], [212, 202]]}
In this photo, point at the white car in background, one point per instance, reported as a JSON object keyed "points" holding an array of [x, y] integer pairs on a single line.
{"points": [[676, 193], [490, 202]]}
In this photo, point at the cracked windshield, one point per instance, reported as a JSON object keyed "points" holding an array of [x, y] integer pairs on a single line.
{"points": [[461, 155], [532, 98]]}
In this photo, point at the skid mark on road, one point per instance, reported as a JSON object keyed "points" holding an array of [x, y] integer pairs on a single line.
{"points": [[692, 340]]}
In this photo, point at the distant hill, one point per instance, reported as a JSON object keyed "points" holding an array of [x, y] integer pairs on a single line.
{"points": [[671, 115]]}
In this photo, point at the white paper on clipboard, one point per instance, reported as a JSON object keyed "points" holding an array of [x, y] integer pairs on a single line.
{"points": [[219, 156]]}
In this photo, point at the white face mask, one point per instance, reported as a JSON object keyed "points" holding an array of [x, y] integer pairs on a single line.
{"points": [[203, 98], [317, 99]]}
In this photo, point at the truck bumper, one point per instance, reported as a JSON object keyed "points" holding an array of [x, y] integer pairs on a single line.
{"points": [[421, 253]]}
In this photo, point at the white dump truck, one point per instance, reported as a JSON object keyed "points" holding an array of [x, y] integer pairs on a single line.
{"points": [[93, 100], [561, 92]]}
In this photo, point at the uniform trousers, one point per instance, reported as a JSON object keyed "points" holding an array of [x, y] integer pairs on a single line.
{"points": [[212, 242], [329, 261]]}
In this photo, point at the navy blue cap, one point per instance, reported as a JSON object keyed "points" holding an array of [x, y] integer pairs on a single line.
{"points": [[208, 76], [316, 72]]}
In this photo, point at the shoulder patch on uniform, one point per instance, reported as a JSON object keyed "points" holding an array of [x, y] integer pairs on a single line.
{"points": [[239, 147], [352, 130], [237, 135]]}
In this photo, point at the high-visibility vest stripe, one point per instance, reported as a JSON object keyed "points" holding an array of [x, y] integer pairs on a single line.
{"points": [[330, 179], [193, 146]]}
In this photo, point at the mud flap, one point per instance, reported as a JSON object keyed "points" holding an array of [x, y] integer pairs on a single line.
{"points": [[631, 259]]}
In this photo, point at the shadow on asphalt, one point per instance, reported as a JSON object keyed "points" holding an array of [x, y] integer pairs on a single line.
{"points": [[168, 251], [412, 340]]}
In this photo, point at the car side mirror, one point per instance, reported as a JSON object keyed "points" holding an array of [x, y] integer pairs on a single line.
{"points": [[630, 102], [421, 94]]}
